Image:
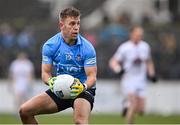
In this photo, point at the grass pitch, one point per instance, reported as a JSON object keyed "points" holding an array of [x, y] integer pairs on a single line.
{"points": [[95, 119]]}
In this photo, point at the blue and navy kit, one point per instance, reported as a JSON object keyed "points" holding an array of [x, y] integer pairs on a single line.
{"points": [[69, 59]]}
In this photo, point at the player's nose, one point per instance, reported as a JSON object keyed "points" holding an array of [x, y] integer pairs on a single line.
{"points": [[76, 27]]}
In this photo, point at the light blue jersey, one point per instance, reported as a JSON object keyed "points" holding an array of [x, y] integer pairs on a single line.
{"points": [[69, 59]]}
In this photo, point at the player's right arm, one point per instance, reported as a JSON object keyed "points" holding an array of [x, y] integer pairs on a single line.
{"points": [[115, 65], [46, 72], [46, 67], [114, 62]]}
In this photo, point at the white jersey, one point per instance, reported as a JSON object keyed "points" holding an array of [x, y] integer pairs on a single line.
{"points": [[133, 58], [21, 72]]}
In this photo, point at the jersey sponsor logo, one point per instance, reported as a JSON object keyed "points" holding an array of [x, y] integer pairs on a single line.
{"points": [[137, 62], [68, 68], [91, 61]]}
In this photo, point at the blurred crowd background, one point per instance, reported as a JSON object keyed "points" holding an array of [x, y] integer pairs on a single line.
{"points": [[26, 25]]}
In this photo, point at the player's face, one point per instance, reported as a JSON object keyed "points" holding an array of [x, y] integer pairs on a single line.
{"points": [[137, 35], [70, 27]]}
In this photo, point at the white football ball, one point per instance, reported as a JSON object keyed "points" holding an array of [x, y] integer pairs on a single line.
{"points": [[62, 86]]}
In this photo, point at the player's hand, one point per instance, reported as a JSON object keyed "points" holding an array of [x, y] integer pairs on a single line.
{"points": [[77, 88], [51, 83], [153, 78], [121, 72]]}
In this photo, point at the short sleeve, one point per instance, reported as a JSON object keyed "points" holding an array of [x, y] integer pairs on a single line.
{"points": [[149, 51], [119, 54], [90, 57], [46, 55], [146, 53]]}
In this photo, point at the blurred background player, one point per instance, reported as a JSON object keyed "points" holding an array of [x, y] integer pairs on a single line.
{"points": [[71, 54], [21, 74], [133, 61]]}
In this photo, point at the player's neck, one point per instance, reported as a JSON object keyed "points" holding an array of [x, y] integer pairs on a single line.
{"points": [[135, 42], [70, 42]]}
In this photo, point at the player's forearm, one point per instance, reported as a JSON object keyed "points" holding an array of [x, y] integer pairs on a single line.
{"points": [[91, 80], [115, 66], [150, 68], [45, 77], [46, 72]]}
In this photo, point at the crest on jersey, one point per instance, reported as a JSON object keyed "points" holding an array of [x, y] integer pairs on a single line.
{"points": [[78, 58]]}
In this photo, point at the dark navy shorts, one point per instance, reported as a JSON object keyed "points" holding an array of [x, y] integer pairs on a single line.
{"points": [[63, 104]]}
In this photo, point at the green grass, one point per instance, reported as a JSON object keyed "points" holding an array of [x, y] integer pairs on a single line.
{"points": [[95, 119]]}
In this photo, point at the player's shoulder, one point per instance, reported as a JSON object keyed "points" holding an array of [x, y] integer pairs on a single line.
{"points": [[144, 44], [15, 63], [125, 45], [85, 43], [53, 42]]}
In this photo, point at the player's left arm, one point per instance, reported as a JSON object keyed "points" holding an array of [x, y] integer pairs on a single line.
{"points": [[151, 74], [150, 67], [91, 73], [90, 67], [151, 70]]}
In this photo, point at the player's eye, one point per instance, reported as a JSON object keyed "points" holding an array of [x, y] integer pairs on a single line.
{"points": [[78, 23], [72, 23]]}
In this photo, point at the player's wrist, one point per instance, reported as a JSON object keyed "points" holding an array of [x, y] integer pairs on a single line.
{"points": [[51, 80], [117, 69], [85, 86], [153, 77]]}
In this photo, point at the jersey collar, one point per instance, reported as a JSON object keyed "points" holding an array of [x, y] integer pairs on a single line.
{"points": [[79, 42]]}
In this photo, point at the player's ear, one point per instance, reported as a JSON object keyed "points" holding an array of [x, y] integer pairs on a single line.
{"points": [[61, 24]]}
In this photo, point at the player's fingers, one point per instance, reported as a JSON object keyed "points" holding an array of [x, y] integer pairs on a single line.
{"points": [[73, 95], [75, 86], [51, 89], [50, 86], [74, 91], [76, 80]]}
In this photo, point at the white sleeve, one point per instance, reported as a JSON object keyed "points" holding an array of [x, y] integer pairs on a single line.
{"points": [[12, 68], [119, 54], [147, 52]]}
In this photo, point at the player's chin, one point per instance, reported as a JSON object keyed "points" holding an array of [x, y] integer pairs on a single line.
{"points": [[74, 37]]}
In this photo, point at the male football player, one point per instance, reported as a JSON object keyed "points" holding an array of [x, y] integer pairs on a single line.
{"points": [[69, 53], [133, 60]]}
